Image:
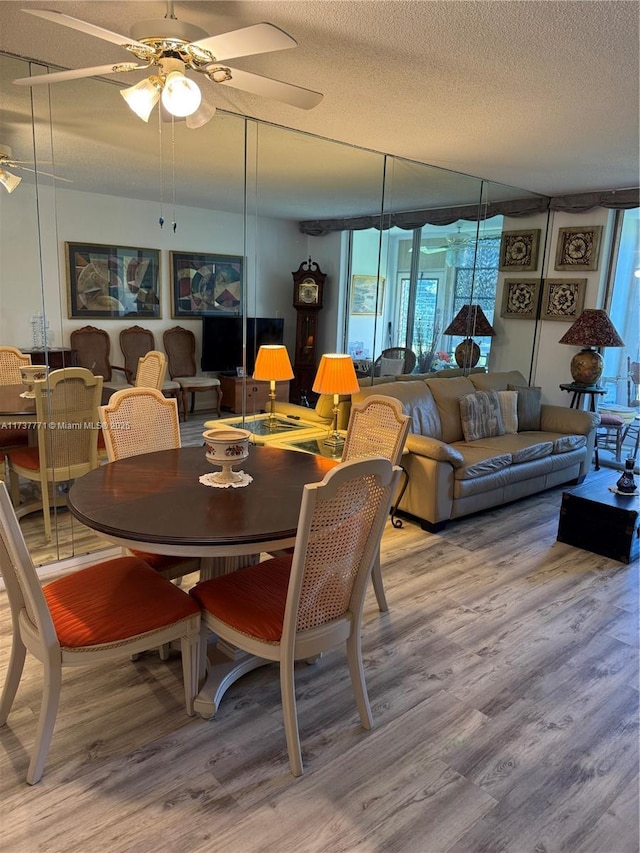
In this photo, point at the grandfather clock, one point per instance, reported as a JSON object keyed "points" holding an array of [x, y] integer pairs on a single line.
{"points": [[308, 283]]}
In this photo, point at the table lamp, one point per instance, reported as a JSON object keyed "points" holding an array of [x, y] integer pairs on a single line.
{"points": [[272, 365], [470, 320], [336, 376], [593, 328]]}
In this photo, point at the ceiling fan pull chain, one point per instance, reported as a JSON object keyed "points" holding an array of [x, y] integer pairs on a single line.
{"points": [[173, 171], [161, 219]]}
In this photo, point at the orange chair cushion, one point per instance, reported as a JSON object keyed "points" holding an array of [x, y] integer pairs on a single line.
{"points": [[13, 436], [112, 601], [26, 457], [251, 600], [158, 562]]}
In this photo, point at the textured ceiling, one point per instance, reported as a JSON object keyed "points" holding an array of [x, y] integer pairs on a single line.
{"points": [[537, 95]]}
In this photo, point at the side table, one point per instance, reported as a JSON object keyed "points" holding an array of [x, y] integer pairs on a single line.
{"points": [[579, 391]]}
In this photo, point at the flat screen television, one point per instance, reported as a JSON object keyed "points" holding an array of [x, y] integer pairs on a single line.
{"points": [[222, 341]]}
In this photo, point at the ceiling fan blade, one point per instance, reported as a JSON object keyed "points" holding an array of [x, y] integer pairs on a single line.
{"points": [[259, 38], [305, 99], [84, 27], [77, 73]]}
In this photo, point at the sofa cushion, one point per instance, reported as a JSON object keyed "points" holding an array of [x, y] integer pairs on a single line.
{"points": [[447, 398], [509, 410], [567, 443], [497, 381], [417, 402], [479, 461], [391, 366], [480, 415], [523, 447], [529, 406]]}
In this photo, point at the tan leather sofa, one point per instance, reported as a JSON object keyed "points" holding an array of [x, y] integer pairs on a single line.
{"points": [[322, 412], [449, 477]]}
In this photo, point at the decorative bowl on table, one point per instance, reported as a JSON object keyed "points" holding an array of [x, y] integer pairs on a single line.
{"points": [[225, 448], [30, 374]]}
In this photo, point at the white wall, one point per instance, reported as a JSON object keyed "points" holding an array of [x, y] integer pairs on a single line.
{"points": [[274, 249], [552, 359]]}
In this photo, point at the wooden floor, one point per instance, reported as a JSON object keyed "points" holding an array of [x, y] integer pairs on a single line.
{"points": [[504, 688]]}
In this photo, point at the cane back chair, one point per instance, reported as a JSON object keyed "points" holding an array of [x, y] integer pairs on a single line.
{"points": [[295, 607]]}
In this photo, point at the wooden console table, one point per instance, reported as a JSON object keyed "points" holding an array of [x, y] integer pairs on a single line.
{"points": [[55, 357], [257, 394]]}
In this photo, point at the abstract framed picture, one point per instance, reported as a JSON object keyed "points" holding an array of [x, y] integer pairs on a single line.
{"points": [[520, 298], [563, 298], [519, 250], [578, 248], [108, 282], [367, 295], [206, 285]]}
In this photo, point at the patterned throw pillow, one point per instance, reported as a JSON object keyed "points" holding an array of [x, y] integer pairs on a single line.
{"points": [[480, 415], [509, 410], [529, 404]]}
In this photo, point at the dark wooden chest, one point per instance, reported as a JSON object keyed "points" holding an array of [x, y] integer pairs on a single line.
{"points": [[598, 520]]}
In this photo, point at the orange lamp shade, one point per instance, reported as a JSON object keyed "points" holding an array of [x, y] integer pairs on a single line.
{"points": [[272, 363], [336, 375]]}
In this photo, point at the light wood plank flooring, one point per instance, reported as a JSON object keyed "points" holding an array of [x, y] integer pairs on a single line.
{"points": [[504, 688]]}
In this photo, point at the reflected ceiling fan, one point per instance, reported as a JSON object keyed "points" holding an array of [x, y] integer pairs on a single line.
{"points": [[171, 47], [10, 181]]}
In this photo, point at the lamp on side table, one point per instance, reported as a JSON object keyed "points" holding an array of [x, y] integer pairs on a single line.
{"points": [[335, 376], [273, 365]]}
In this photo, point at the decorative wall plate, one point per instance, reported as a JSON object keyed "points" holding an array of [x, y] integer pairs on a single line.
{"points": [[519, 250], [578, 248]]}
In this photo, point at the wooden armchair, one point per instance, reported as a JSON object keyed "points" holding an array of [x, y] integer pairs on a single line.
{"points": [[180, 346], [93, 349]]}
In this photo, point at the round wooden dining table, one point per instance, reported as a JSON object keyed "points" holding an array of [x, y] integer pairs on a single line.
{"points": [[155, 502]]}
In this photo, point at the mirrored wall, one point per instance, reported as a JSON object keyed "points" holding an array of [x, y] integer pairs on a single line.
{"points": [[404, 246]]}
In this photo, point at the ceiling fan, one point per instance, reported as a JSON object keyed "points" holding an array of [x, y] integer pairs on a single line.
{"points": [[10, 181], [172, 47]]}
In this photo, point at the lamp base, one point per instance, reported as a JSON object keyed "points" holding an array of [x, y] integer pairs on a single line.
{"points": [[586, 367], [467, 354]]}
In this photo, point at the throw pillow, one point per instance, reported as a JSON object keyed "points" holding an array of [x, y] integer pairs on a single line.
{"points": [[391, 366], [529, 403], [480, 415], [509, 410]]}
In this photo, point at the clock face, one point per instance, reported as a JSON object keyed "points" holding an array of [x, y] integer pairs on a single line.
{"points": [[308, 292]]}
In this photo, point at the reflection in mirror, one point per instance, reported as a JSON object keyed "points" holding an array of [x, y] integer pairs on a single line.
{"points": [[261, 194], [424, 291]]}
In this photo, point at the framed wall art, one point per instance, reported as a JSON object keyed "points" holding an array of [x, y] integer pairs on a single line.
{"points": [[519, 250], [109, 282], [520, 298], [578, 248], [206, 285], [563, 298], [367, 294]]}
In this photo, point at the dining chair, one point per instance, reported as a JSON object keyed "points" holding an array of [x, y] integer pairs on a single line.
{"points": [[103, 612], [180, 346], [93, 348], [136, 343], [297, 606], [143, 420], [11, 360], [67, 437], [377, 427]]}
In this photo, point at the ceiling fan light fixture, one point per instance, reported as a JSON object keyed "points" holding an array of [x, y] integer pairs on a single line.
{"points": [[9, 181], [202, 115], [180, 95], [143, 97]]}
